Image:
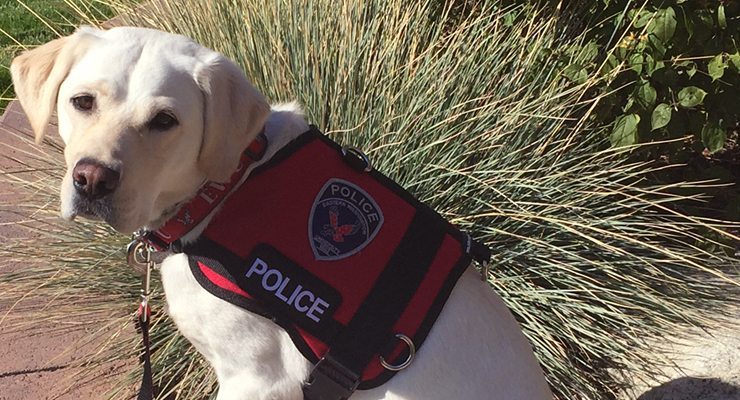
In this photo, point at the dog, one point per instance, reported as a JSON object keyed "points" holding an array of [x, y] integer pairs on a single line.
{"points": [[146, 118]]}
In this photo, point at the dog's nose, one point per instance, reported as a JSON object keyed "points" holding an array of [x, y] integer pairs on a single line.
{"points": [[93, 180]]}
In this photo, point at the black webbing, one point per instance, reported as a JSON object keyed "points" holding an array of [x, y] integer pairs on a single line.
{"points": [[370, 329], [236, 266], [146, 390]]}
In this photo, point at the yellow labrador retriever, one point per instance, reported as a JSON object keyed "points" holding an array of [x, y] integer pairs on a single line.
{"points": [[147, 117]]}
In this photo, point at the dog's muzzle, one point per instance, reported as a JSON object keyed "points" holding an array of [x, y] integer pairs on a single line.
{"points": [[94, 184], [93, 181]]}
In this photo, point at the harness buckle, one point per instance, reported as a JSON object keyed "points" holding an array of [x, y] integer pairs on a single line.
{"points": [[330, 380]]}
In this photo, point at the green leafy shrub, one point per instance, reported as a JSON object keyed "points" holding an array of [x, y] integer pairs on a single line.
{"points": [[671, 79]]}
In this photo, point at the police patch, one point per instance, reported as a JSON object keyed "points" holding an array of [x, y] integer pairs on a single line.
{"points": [[344, 219]]}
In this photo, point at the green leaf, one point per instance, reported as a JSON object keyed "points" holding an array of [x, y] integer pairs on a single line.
{"points": [[645, 95], [664, 24], [691, 71], [621, 52], [717, 67], [629, 104], [576, 73], [509, 19], [611, 64], [713, 137], [691, 96], [657, 45], [624, 132], [642, 19], [688, 65], [735, 60], [650, 64], [661, 116], [590, 52], [721, 18], [636, 62]]}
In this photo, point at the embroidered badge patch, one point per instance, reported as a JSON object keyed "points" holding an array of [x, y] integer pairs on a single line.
{"points": [[344, 219]]}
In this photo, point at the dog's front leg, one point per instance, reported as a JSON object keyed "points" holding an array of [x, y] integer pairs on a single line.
{"points": [[253, 358]]}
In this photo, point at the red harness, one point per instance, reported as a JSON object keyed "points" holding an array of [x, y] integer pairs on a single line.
{"points": [[345, 260]]}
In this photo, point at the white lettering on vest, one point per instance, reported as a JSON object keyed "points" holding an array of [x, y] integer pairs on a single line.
{"points": [[302, 300], [300, 297], [266, 277], [358, 200], [258, 266], [319, 306]]}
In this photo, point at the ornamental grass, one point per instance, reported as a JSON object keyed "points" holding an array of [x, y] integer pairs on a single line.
{"points": [[460, 103]]}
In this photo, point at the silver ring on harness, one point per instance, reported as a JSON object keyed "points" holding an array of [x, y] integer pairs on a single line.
{"points": [[409, 359], [358, 153]]}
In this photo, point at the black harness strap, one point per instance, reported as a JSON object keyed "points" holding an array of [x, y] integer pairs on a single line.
{"points": [[219, 255], [369, 331]]}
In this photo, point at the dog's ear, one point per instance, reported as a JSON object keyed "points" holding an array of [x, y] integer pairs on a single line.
{"points": [[235, 112], [38, 73]]}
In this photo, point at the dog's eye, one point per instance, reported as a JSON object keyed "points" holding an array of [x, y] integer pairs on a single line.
{"points": [[83, 102], [162, 121]]}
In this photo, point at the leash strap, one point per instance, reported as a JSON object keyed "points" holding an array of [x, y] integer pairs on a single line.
{"points": [[146, 392], [139, 256]]}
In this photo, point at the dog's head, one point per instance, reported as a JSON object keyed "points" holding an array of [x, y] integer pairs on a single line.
{"points": [[146, 118]]}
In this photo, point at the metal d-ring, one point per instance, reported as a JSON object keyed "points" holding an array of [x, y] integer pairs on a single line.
{"points": [[357, 152], [409, 359]]}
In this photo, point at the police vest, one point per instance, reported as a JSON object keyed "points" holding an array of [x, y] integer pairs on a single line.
{"points": [[351, 265]]}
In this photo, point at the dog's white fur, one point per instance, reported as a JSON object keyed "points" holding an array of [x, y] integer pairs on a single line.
{"points": [[474, 351]]}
